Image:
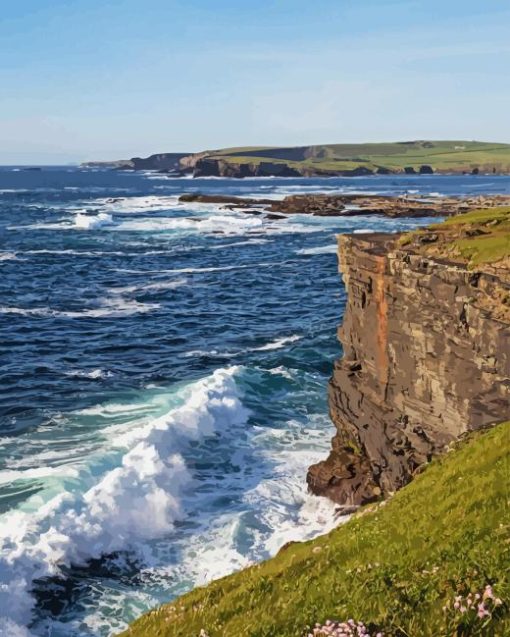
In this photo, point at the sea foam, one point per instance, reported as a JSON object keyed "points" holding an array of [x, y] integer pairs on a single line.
{"points": [[90, 222], [138, 498]]}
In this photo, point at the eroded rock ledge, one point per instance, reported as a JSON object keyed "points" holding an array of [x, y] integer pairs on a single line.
{"points": [[323, 205], [426, 358]]}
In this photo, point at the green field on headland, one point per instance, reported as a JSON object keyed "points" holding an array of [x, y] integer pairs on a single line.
{"points": [[412, 157], [409, 567], [441, 156]]}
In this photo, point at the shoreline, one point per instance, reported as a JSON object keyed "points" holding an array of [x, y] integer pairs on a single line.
{"points": [[388, 446]]}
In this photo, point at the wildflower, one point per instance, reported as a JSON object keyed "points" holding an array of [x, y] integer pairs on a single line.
{"points": [[488, 592], [350, 628], [482, 611]]}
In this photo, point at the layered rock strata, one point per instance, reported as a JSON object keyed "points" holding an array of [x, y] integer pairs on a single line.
{"points": [[426, 358]]}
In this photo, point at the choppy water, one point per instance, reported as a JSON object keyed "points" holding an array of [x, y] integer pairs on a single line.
{"points": [[163, 390]]}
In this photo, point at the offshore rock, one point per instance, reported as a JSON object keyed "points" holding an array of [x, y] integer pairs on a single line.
{"points": [[352, 205], [426, 358]]}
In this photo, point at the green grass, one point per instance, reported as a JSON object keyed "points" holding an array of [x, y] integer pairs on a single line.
{"points": [[496, 215], [394, 567], [490, 247], [443, 156]]}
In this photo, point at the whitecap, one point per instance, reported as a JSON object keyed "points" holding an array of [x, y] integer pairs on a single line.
{"points": [[197, 270], [150, 287], [91, 222], [115, 306], [241, 243], [138, 498], [8, 256], [277, 344], [329, 249], [138, 204], [94, 373]]}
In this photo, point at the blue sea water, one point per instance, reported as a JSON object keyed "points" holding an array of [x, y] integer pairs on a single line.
{"points": [[164, 371]]}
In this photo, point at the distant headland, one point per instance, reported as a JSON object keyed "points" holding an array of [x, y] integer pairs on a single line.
{"points": [[328, 160]]}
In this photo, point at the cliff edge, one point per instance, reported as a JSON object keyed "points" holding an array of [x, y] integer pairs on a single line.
{"points": [[426, 351]]}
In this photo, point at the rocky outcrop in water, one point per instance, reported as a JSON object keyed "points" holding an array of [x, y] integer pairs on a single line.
{"points": [[351, 205], [426, 358]]}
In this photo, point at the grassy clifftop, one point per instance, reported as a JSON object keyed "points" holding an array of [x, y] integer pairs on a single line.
{"points": [[441, 156], [333, 159], [404, 567], [480, 239]]}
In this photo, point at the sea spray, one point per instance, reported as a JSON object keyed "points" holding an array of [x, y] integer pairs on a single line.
{"points": [[137, 500]]}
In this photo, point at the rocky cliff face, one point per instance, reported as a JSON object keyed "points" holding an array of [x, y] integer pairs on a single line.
{"points": [[163, 162], [426, 359], [211, 166]]}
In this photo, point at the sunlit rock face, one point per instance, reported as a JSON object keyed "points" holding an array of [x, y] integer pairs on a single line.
{"points": [[426, 358]]}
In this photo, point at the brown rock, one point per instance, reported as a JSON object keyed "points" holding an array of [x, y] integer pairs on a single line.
{"points": [[425, 360]]}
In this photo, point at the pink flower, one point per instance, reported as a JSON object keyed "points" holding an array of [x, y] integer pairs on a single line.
{"points": [[488, 592], [482, 611]]}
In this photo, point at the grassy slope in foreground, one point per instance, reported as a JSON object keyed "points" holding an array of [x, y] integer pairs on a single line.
{"points": [[394, 566]]}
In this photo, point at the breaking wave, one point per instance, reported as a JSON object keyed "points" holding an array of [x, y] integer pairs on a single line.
{"points": [[138, 496], [90, 222]]}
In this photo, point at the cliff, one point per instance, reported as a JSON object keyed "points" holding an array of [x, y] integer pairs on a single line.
{"points": [[163, 162], [426, 351], [350, 160]]}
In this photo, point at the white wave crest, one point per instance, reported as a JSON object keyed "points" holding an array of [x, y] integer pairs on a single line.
{"points": [[90, 222], [8, 256], [138, 498], [115, 306], [278, 343], [151, 287], [229, 224], [331, 249], [138, 204], [94, 374]]}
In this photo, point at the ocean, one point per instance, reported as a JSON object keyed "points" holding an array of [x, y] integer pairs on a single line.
{"points": [[164, 371]]}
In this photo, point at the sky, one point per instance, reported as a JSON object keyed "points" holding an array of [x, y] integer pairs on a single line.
{"points": [[109, 79]]}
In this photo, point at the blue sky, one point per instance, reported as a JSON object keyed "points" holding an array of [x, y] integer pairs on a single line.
{"points": [[103, 79]]}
